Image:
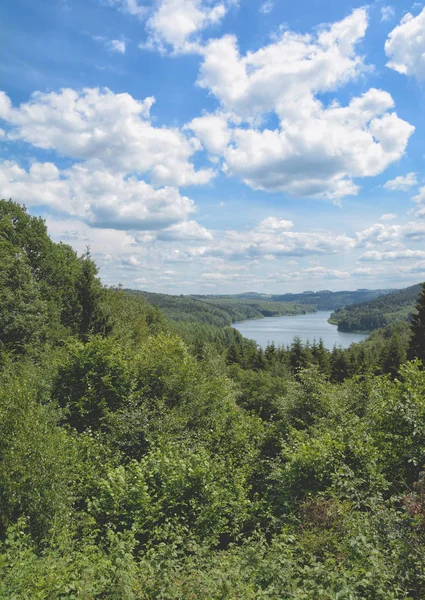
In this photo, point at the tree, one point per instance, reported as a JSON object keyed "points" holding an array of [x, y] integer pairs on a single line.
{"points": [[90, 294], [417, 343], [23, 312], [395, 355]]}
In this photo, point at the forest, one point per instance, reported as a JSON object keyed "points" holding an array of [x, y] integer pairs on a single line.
{"points": [[144, 455], [219, 311], [395, 307]]}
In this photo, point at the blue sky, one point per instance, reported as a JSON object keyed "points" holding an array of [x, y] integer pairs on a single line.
{"points": [[220, 146]]}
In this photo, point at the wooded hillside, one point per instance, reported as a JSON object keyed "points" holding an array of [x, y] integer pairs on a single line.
{"points": [[144, 458], [395, 307]]}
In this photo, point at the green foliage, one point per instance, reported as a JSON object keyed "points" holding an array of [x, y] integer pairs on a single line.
{"points": [[218, 310], [380, 312], [417, 343], [93, 382], [37, 456], [44, 277], [142, 458], [23, 312]]}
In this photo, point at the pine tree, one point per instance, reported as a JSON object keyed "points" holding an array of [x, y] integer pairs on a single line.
{"points": [[417, 343], [395, 355]]}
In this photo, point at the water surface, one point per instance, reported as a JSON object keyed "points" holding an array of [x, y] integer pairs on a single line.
{"points": [[282, 330]]}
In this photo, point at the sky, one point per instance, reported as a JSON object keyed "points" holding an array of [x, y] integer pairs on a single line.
{"points": [[221, 146]]}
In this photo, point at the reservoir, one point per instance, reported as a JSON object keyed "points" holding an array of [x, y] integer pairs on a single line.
{"points": [[282, 330]]}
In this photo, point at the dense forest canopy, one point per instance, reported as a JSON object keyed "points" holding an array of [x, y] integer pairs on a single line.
{"points": [[395, 307], [147, 456], [219, 311], [224, 310]]}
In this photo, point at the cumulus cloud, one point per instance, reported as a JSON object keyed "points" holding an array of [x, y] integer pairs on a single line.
{"points": [[117, 46], [405, 46], [131, 7], [388, 217], [266, 7], [213, 132], [416, 268], [318, 155], [285, 73], [402, 182], [325, 273], [381, 233], [112, 129], [103, 243], [387, 13], [406, 254], [175, 23], [274, 237], [420, 196], [100, 198], [185, 231], [317, 150]]}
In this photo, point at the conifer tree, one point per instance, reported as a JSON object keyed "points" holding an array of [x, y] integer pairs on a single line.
{"points": [[395, 355], [417, 343]]}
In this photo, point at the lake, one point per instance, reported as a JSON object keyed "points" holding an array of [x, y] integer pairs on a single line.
{"points": [[282, 330]]}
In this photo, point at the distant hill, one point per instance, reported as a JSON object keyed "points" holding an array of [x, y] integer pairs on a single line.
{"points": [[327, 300], [219, 310], [364, 317], [223, 310], [321, 300]]}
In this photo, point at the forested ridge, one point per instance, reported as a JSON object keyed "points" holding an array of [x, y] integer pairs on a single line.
{"points": [[225, 309], [397, 306], [149, 457], [219, 311]]}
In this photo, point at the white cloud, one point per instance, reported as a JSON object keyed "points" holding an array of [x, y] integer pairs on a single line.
{"points": [[284, 75], [320, 154], [102, 242], [417, 268], [273, 225], [381, 233], [266, 7], [405, 46], [111, 129], [100, 198], [388, 217], [184, 231], [402, 182], [376, 255], [117, 46], [175, 23], [274, 237], [317, 150], [420, 196], [131, 7], [325, 273], [387, 13], [364, 272], [212, 131]]}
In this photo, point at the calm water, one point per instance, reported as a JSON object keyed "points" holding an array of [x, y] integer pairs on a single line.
{"points": [[282, 330]]}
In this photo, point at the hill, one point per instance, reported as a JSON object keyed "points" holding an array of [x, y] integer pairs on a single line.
{"points": [[320, 300], [390, 308], [223, 310], [220, 311], [327, 300], [136, 465]]}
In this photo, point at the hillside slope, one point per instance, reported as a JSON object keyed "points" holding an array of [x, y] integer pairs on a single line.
{"points": [[395, 307], [219, 311], [223, 310]]}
